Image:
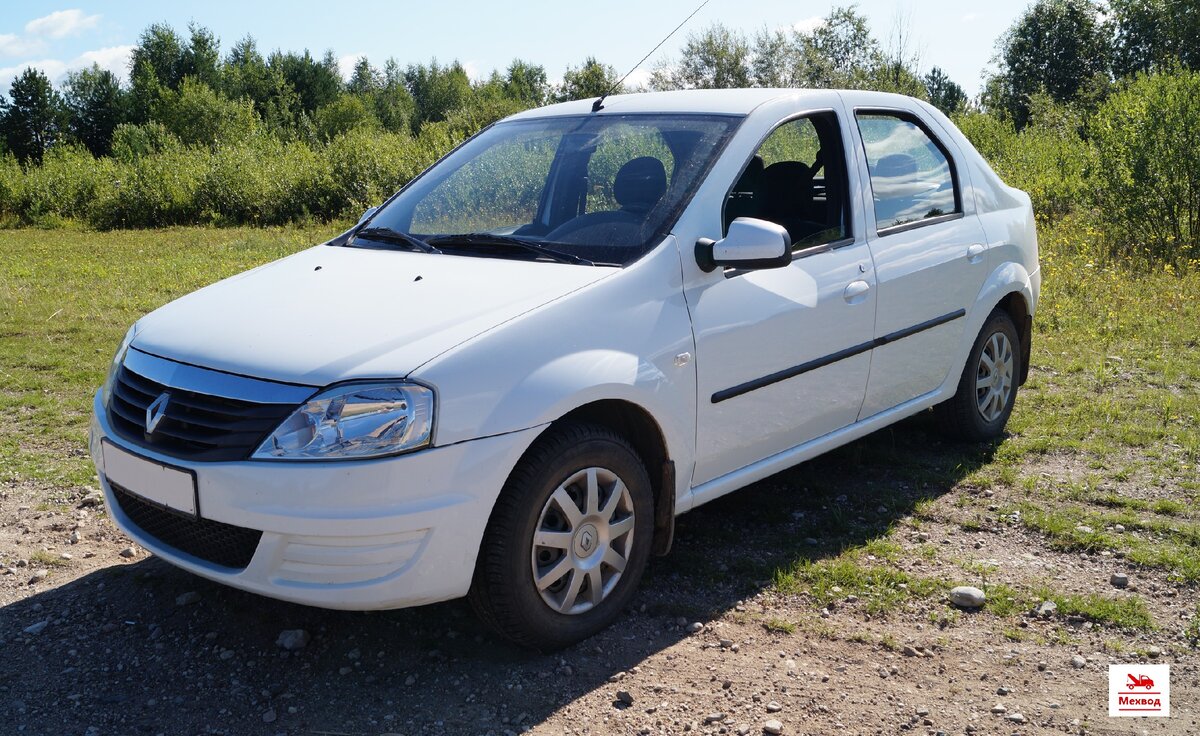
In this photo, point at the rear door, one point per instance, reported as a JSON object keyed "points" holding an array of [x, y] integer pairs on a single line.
{"points": [[930, 254]]}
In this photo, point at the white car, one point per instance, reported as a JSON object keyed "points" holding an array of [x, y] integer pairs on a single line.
{"points": [[509, 379]]}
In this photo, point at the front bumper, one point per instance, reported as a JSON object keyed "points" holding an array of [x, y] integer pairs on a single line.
{"points": [[358, 535]]}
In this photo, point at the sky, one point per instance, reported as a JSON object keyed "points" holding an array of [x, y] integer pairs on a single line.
{"points": [[959, 37]]}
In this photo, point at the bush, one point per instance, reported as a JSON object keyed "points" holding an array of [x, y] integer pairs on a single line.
{"points": [[12, 183], [200, 115], [153, 191], [368, 166], [1147, 139], [130, 142], [264, 182], [64, 185]]}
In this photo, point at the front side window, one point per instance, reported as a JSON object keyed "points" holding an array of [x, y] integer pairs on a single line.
{"points": [[911, 175], [796, 179], [601, 188]]}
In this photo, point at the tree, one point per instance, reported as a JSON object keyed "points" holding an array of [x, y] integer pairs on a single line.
{"points": [[365, 80], [1058, 46], [526, 83], [201, 59], [32, 119], [317, 83], [436, 90], [343, 115], [95, 105], [1152, 33], [715, 58], [839, 52], [945, 94], [591, 79], [159, 51], [198, 114], [394, 106], [246, 74]]}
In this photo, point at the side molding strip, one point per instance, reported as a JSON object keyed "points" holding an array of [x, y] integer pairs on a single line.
{"points": [[849, 352]]}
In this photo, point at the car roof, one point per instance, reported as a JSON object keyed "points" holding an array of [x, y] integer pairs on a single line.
{"points": [[711, 101]]}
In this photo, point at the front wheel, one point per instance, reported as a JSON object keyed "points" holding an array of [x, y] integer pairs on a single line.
{"points": [[568, 540], [987, 389]]}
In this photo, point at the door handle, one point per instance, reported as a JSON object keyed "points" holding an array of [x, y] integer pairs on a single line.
{"points": [[856, 291], [975, 253]]}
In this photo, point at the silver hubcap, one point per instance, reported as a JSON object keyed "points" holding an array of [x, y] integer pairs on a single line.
{"points": [[582, 541], [994, 377]]}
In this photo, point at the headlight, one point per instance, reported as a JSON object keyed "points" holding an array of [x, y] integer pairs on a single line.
{"points": [[354, 421], [118, 358]]}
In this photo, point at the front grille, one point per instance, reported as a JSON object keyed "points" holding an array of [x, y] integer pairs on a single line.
{"points": [[196, 426], [216, 542]]}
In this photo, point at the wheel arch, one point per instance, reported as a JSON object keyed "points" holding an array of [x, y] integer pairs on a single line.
{"points": [[1018, 309]]}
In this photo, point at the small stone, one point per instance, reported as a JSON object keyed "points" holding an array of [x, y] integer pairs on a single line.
{"points": [[187, 599], [1042, 666], [774, 707], [269, 716], [1015, 717], [1119, 528], [38, 576], [743, 729], [922, 712], [1055, 706], [713, 718], [773, 727], [410, 680], [1045, 609], [726, 643], [999, 708], [1119, 580], [922, 536], [1084, 529], [35, 629], [66, 556], [1078, 662], [92, 498], [76, 537], [1002, 690], [695, 627], [129, 552], [1154, 652], [226, 654], [625, 697], [345, 670], [909, 651], [292, 639], [967, 596]]}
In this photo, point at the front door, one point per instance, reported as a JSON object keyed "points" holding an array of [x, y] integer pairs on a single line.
{"points": [[783, 355]]}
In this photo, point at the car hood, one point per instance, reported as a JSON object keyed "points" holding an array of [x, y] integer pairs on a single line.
{"points": [[332, 313]]}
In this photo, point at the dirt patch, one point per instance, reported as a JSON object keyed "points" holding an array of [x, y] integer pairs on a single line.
{"points": [[111, 644]]}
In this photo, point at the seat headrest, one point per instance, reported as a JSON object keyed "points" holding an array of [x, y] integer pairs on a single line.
{"points": [[787, 186], [751, 178], [640, 184]]}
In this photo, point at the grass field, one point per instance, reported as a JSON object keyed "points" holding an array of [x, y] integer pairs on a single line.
{"points": [[1114, 391]]}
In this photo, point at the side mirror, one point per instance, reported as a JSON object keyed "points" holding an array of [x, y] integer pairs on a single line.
{"points": [[750, 243], [365, 215]]}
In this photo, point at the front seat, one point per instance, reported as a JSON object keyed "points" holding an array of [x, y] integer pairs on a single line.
{"points": [[637, 187], [787, 198]]}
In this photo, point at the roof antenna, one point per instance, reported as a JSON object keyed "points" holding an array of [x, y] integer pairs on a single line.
{"points": [[598, 105]]}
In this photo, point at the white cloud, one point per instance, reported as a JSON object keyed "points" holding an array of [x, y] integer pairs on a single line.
{"points": [[346, 64], [113, 58], [808, 25], [61, 23], [970, 17], [472, 70], [13, 45], [638, 79]]}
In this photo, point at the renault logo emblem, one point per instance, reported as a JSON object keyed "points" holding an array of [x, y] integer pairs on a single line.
{"points": [[586, 541], [156, 411]]}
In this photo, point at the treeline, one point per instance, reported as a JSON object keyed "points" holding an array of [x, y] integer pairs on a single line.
{"points": [[1092, 109]]}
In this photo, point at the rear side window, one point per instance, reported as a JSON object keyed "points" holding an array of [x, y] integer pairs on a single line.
{"points": [[912, 177]]}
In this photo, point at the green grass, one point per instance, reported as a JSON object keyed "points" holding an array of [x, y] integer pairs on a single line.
{"points": [[67, 297]]}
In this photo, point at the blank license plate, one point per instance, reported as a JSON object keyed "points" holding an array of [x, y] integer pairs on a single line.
{"points": [[164, 485]]}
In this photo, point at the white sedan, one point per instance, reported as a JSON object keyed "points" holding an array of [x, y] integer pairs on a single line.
{"points": [[509, 379]]}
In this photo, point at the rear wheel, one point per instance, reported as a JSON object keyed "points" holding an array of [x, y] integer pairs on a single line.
{"points": [[987, 389], [568, 540]]}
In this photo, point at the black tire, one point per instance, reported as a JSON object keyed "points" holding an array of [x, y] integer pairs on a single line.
{"points": [[503, 591], [960, 418]]}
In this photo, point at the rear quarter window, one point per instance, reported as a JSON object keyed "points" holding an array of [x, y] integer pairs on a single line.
{"points": [[912, 176]]}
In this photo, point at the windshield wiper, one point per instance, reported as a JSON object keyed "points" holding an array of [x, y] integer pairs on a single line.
{"points": [[388, 235], [490, 239]]}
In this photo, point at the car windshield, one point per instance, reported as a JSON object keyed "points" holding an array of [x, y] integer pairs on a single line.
{"points": [[599, 189]]}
